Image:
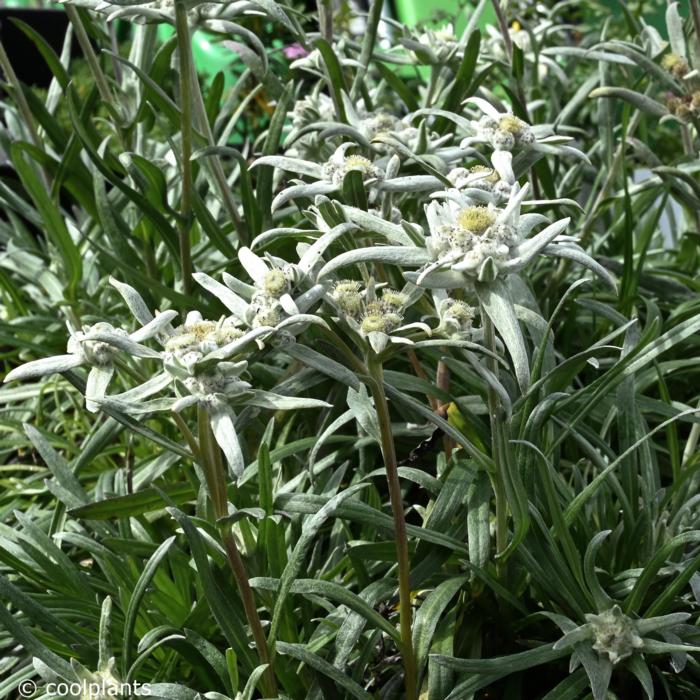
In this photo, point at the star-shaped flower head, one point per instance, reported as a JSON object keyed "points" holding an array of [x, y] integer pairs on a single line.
{"points": [[275, 299], [328, 176], [435, 45], [95, 346], [506, 134], [376, 313], [203, 362]]}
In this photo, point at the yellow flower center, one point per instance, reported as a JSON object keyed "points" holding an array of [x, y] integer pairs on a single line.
{"points": [[460, 312], [393, 299], [202, 329], [476, 219], [358, 163], [274, 283], [372, 323], [671, 60], [511, 124]]}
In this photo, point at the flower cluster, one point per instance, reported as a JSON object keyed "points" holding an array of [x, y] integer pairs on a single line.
{"points": [[376, 313]]}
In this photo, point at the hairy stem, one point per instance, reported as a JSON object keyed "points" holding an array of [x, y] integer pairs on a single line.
{"points": [[184, 48], [503, 26], [497, 441], [392, 475], [246, 592], [217, 169], [215, 475], [94, 65]]}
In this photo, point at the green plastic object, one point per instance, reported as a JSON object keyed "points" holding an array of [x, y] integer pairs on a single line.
{"points": [[412, 12]]}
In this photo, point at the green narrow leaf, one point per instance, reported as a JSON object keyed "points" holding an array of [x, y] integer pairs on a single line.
{"points": [[137, 596], [300, 652], [429, 615], [228, 618], [497, 303], [336, 78], [270, 148], [46, 51], [296, 560], [56, 228], [335, 592]]}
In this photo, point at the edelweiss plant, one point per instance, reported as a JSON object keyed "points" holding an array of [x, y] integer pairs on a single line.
{"points": [[379, 376]]}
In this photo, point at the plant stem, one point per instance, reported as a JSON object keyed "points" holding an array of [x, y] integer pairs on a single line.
{"points": [[21, 100], [217, 169], [503, 26], [369, 43], [215, 475], [86, 47], [442, 382], [325, 19], [392, 475], [497, 442], [94, 65], [251, 611], [184, 47]]}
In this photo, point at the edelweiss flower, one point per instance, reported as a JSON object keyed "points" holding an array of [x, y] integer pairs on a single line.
{"points": [[340, 164], [440, 44], [329, 176], [378, 318], [506, 133], [480, 183], [95, 346], [456, 318], [269, 302], [616, 636], [197, 364], [610, 638], [476, 241]]}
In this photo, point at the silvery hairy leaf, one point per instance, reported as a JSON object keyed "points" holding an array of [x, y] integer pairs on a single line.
{"points": [[97, 381], [394, 255], [497, 303], [40, 368], [222, 420]]}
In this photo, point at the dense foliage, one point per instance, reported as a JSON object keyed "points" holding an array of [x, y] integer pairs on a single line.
{"points": [[372, 375]]}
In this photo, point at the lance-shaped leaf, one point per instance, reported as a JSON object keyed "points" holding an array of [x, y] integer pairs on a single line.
{"points": [[48, 365], [235, 304], [222, 420], [314, 253], [133, 300], [393, 255], [266, 399], [122, 342], [674, 24], [295, 165], [154, 326], [527, 250], [304, 190], [497, 303], [636, 99], [577, 254], [97, 381]]}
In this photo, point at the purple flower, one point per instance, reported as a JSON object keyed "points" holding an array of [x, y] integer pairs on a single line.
{"points": [[294, 51]]}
